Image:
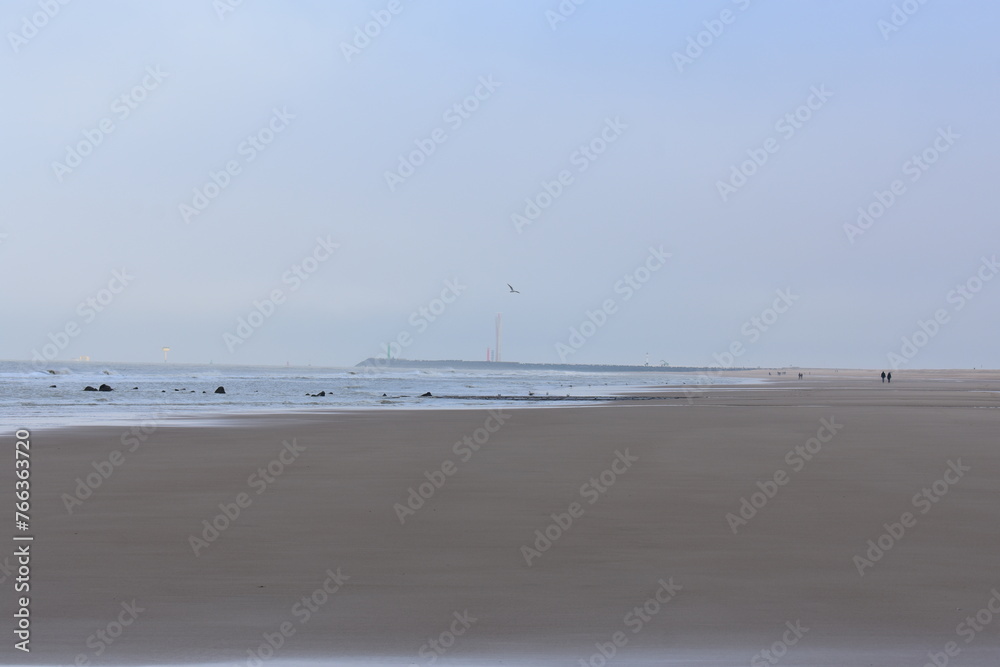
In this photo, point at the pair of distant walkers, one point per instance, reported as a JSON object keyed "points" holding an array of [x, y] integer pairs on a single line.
{"points": [[886, 377]]}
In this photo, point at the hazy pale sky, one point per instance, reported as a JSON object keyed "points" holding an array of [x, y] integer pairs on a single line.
{"points": [[169, 164]]}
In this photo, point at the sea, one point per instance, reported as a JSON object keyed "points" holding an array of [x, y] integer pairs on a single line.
{"points": [[52, 395]]}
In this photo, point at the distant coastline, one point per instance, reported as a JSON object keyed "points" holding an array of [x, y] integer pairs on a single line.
{"points": [[515, 366]]}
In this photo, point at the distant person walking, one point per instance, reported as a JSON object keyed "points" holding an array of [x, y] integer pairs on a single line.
{"points": [[889, 377], [883, 376]]}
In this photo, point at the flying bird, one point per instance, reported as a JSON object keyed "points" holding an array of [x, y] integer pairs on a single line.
{"points": [[512, 290]]}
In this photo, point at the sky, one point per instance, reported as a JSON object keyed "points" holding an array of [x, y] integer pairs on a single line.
{"points": [[726, 182]]}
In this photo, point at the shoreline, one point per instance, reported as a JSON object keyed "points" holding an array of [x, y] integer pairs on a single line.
{"points": [[580, 396], [583, 396]]}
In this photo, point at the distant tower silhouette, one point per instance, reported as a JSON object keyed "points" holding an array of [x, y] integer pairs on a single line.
{"points": [[499, 352], [165, 350]]}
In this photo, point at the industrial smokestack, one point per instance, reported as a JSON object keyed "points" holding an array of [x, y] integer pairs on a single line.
{"points": [[499, 337]]}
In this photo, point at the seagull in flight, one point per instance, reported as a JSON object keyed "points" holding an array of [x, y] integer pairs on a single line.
{"points": [[512, 290]]}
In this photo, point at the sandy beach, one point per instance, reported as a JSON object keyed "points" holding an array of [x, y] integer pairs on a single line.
{"points": [[705, 528]]}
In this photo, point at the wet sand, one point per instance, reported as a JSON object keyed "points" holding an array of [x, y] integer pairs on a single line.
{"points": [[642, 491]]}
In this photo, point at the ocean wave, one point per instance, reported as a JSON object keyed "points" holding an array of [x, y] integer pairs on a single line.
{"points": [[26, 375]]}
